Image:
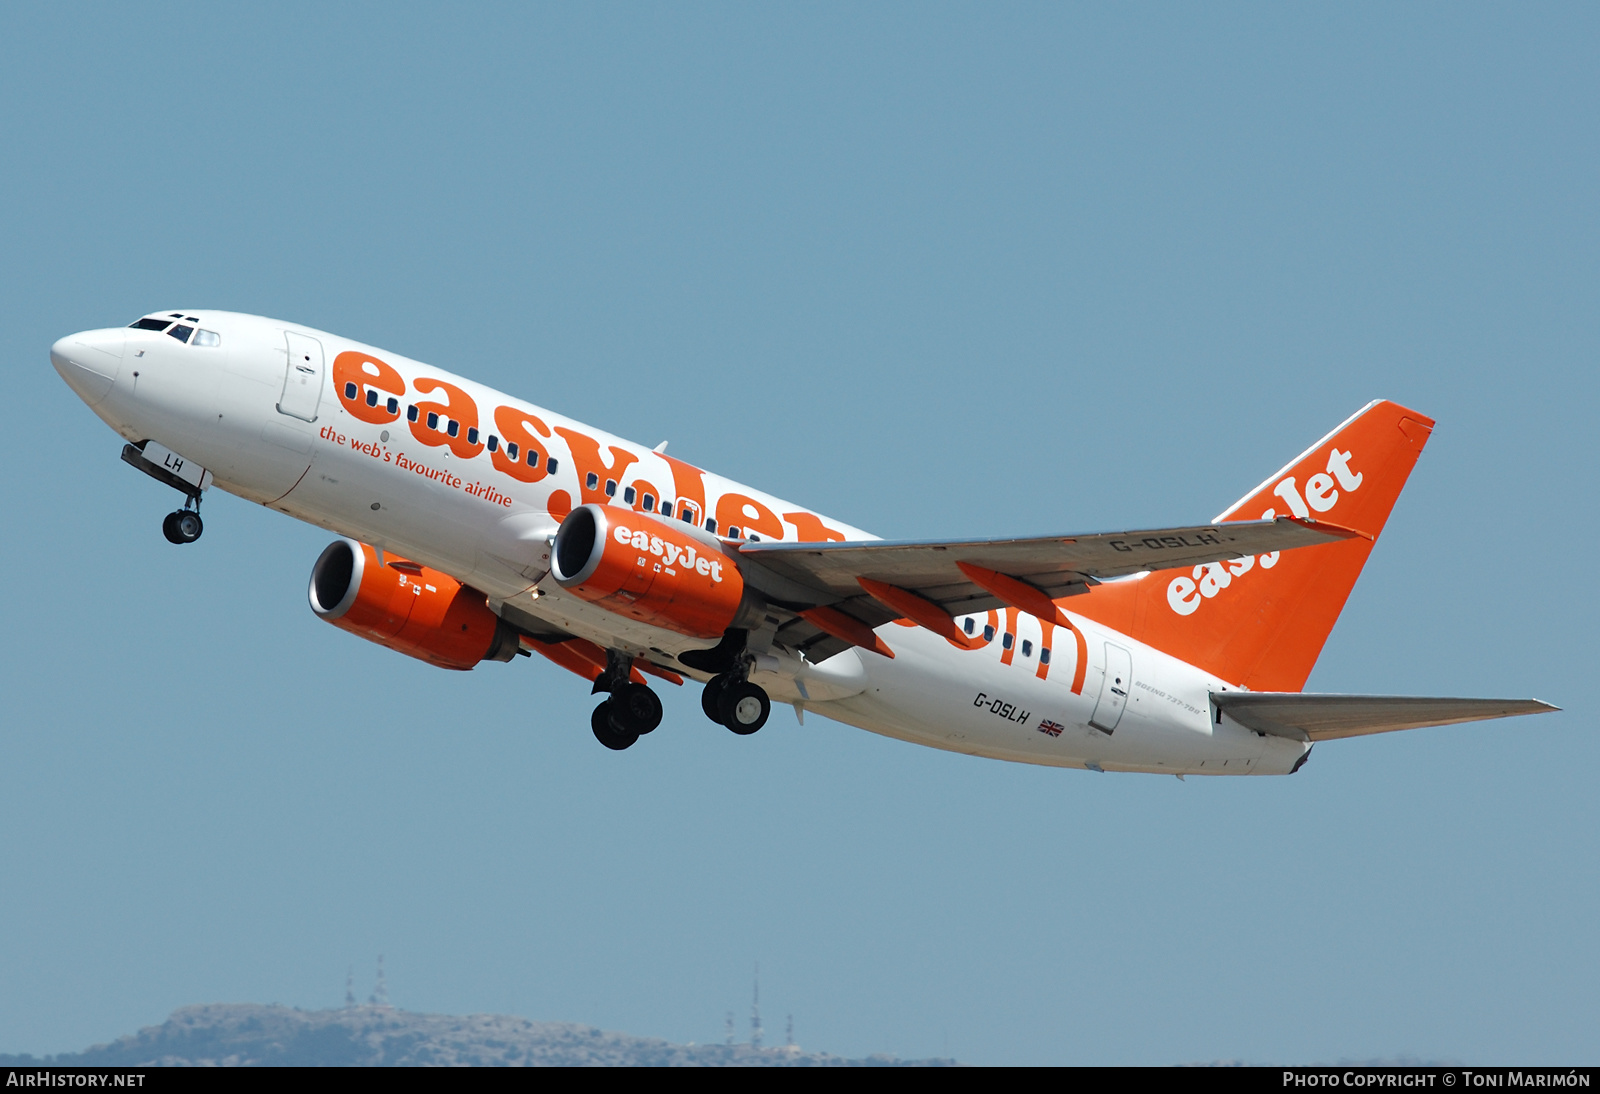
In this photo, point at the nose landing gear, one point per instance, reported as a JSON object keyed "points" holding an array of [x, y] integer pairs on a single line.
{"points": [[189, 479], [183, 525]]}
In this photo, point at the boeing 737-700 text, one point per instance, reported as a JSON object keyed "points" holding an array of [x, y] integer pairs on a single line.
{"points": [[476, 527]]}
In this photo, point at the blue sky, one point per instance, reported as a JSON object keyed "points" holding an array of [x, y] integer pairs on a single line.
{"points": [[934, 270]]}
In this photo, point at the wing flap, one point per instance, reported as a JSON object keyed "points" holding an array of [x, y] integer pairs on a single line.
{"points": [[1311, 717], [808, 575]]}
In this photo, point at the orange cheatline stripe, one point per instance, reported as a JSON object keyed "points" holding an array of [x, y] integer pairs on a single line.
{"points": [[1083, 661], [920, 610], [846, 629], [1036, 602]]}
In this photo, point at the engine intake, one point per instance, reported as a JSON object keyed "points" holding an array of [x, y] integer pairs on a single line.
{"points": [[650, 569], [414, 609]]}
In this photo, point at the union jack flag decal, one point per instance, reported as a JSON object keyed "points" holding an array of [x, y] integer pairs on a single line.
{"points": [[1052, 728]]}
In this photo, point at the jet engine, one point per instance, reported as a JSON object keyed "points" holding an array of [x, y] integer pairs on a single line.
{"points": [[407, 607], [652, 570]]}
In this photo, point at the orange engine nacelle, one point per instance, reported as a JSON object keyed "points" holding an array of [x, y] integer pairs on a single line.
{"points": [[410, 608], [638, 565]]}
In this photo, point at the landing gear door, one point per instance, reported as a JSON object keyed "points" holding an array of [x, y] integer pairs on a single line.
{"points": [[302, 378], [1114, 689]]}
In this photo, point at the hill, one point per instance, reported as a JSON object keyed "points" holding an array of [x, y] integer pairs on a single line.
{"points": [[247, 1034]]}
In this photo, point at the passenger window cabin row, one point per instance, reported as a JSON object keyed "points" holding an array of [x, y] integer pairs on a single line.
{"points": [[531, 456], [1007, 640], [452, 428]]}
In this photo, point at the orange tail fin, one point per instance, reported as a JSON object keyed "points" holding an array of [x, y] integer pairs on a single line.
{"points": [[1260, 622]]}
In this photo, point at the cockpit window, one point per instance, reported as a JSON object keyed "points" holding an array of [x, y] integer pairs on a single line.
{"points": [[150, 324], [212, 338], [181, 332]]}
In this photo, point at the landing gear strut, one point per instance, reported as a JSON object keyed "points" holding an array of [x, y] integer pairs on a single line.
{"points": [[630, 711]]}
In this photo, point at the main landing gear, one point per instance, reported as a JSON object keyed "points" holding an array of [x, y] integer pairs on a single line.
{"points": [[629, 712], [736, 703], [729, 698]]}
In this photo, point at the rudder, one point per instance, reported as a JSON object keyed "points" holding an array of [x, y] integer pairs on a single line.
{"points": [[1260, 622]]}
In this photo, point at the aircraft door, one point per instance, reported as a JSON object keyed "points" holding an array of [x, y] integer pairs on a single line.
{"points": [[1114, 688], [302, 378]]}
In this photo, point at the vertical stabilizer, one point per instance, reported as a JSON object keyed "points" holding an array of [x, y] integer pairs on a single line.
{"points": [[1261, 621]]}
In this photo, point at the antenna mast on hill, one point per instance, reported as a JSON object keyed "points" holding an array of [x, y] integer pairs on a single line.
{"points": [[380, 991], [755, 1011], [730, 1027], [350, 987]]}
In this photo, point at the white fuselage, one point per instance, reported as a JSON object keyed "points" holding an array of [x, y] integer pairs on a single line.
{"points": [[402, 488]]}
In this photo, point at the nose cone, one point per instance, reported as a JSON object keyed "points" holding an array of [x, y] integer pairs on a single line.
{"points": [[90, 360]]}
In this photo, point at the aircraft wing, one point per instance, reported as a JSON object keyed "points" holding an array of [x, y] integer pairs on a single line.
{"points": [[1310, 717], [959, 577]]}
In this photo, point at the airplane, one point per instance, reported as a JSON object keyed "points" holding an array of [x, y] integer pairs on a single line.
{"points": [[477, 527]]}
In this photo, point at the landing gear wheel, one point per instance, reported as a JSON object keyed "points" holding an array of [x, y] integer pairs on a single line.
{"points": [[711, 698], [605, 732], [635, 709], [744, 708], [182, 526]]}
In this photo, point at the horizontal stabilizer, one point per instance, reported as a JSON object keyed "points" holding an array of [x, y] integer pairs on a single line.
{"points": [[1309, 717]]}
